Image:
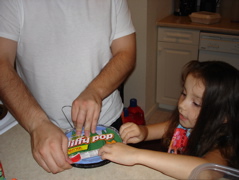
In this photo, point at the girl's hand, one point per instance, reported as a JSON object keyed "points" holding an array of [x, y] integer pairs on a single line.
{"points": [[119, 153], [132, 133]]}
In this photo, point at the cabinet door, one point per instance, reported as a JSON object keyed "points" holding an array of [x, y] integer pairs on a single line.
{"points": [[171, 59]]}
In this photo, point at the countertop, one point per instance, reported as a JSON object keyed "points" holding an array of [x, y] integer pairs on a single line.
{"points": [[17, 161], [224, 26]]}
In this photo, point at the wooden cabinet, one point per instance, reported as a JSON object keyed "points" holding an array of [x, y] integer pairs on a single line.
{"points": [[175, 48]]}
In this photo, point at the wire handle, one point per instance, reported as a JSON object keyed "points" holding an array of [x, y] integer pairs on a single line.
{"points": [[62, 109]]}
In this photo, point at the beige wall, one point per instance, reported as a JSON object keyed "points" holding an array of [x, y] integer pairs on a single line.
{"points": [[142, 83]]}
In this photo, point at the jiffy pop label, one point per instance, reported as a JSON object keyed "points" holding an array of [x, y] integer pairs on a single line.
{"points": [[84, 150], [77, 149]]}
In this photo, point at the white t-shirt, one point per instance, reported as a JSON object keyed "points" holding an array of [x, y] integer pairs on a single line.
{"points": [[62, 46]]}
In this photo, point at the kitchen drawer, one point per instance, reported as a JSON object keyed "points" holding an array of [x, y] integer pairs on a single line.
{"points": [[175, 35]]}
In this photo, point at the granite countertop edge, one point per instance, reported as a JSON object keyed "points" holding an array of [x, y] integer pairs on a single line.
{"points": [[224, 26]]}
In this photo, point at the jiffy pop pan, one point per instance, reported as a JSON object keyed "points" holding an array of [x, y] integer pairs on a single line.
{"points": [[83, 151]]}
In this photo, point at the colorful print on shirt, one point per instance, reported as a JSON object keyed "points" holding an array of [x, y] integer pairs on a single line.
{"points": [[179, 140]]}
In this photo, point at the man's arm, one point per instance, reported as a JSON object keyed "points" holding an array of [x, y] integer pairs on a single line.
{"points": [[49, 144], [13, 92], [86, 108]]}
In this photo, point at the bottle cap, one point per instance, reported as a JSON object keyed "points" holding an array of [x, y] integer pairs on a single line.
{"points": [[133, 102], [126, 112]]}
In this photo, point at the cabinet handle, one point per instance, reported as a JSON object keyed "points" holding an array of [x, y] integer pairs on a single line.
{"points": [[178, 35]]}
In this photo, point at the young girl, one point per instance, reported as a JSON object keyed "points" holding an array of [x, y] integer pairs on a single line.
{"points": [[203, 129]]}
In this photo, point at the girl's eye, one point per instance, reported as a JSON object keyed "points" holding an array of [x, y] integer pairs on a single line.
{"points": [[197, 104]]}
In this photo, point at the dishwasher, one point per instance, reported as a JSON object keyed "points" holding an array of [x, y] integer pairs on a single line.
{"points": [[219, 47]]}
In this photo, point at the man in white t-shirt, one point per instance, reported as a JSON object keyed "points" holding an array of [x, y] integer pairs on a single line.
{"points": [[66, 53]]}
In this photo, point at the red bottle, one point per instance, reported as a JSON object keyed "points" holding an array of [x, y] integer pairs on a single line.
{"points": [[136, 114]]}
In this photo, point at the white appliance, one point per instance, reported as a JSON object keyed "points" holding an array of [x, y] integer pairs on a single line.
{"points": [[219, 47], [7, 122]]}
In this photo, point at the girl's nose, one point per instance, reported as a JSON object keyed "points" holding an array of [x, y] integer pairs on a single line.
{"points": [[182, 104]]}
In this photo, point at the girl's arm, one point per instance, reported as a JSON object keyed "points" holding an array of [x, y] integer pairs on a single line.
{"points": [[177, 166], [132, 133], [156, 131]]}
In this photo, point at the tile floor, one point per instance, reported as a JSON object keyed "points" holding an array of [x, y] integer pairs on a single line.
{"points": [[159, 115]]}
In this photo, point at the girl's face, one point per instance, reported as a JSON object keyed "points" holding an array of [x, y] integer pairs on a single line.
{"points": [[190, 101]]}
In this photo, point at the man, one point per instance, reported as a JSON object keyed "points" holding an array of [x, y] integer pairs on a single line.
{"points": [[65, 52]]}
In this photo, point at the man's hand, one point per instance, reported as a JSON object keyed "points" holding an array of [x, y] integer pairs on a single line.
{"points": [[49, 148], [85, 111]]}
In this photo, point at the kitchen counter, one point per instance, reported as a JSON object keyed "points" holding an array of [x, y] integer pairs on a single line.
{"points": [[224, 26], [17, 161]]}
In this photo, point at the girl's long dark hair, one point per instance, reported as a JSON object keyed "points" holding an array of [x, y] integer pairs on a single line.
{"points": [[217, 126]]}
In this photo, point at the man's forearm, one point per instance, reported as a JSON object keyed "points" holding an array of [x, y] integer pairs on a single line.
{"points": [[117, 69], [18, 99]]}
